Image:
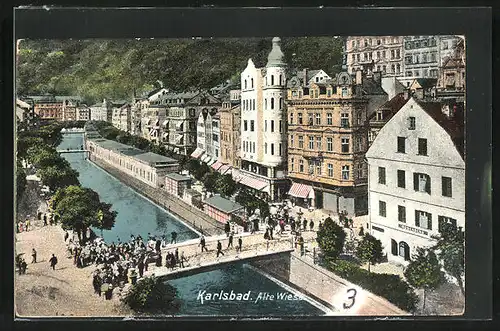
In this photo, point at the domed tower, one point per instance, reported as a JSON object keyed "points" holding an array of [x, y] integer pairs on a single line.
{"points": [[274, 93]]}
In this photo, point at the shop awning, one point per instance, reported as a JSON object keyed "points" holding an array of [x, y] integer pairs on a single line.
{"points": [[300, 190], [217, 165], [224, 169], [205, 158], [253, 183], [211, 161], [197, 153]]}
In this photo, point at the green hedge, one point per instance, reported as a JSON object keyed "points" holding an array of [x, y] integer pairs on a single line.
{"points": [[391, 287]]}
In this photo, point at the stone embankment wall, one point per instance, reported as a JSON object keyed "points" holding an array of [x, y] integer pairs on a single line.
{"points": [[189, 214], [342, 296]]}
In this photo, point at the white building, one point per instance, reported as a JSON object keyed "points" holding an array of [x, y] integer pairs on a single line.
{"points": [[416, 178], [100, 111], [82, 113], [263, 129]]}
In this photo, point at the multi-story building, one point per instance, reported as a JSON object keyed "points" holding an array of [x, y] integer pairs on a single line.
{"points": [[375, 53], [416, 178], [154, 123], [424, 55], [230, 125], [327, 140], [263, 126], [204, 136], [452, 75], [216, 136], [82, 113], [136, 110], [101, 111], [48, 108], [122, 119]]}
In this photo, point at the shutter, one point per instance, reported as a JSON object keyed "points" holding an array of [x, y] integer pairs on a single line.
{"points": [[417, 218], [415, 181], [429, 221], [428, 184]]}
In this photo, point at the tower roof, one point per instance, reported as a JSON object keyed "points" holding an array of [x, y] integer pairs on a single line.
{"points": [[276, 56]]}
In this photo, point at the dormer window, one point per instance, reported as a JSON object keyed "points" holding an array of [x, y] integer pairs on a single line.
{"points": [[380, 116], [411, 123]]}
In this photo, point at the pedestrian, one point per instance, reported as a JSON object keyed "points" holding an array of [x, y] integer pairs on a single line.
{"points": [[158, 260], [158, 245], [361, 231], [140, 266], [271, 233], [183, 258], [44, 219], [96, 282], [304, 224], [146, 263], [227, 228], [53, 261], [301, 244], [66, 235], [174, 237], [219, 248], [311, 225], [230, 243], [202, 243], [24, 266], [176, 256], [33, 255], [266, 235], [240, 242]]}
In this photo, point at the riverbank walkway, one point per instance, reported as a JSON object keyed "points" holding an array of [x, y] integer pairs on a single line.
{"points": [[193, 217], [73, 151], [254, 247]]}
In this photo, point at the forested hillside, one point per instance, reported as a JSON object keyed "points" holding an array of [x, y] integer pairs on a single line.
{"points": [[97, 69]]}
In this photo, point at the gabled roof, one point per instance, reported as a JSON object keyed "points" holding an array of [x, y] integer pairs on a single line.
{"points": [[454, 126], [425, 82], [391, 107], [223, 204]]}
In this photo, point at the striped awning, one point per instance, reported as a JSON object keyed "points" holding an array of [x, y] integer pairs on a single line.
{"points": [[300, 190], [211, 161], [197, 153], [224, 169], [217, 165], [205, 158], [251, 182]]}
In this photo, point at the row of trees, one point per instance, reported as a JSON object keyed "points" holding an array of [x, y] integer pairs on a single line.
{"points": [[425, 270]]}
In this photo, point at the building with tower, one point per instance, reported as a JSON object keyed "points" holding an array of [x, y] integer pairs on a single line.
{"points": [[263, 126]]}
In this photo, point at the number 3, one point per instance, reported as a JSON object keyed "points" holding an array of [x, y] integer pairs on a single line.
{"points": [[352, 298]]}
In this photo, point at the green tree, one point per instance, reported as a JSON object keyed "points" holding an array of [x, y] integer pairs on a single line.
{"points": [[20, 181], [210, 181], [331, 238], [424, 271], [369, 250], [24, 143], [226, 185], [44, 156], [151, 295], [57, 177], [80, 208], [450, 250]]}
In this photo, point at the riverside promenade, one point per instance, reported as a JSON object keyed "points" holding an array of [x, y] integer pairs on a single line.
{"points": [[190, 215]]}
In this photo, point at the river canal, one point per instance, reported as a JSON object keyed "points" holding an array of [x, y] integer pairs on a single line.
{"points": [[137, 215]]}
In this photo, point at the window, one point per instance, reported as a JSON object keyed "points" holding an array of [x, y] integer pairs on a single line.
{"points": [[392, 54], [318, 143], [401, 179], [330, 170], [422, 182], [411, 123], [291, 118], [272, 125], [252, 83], [301, 141], [280, 150], [446, 186], [345, 145], [394, 247], [272, 79], [359, 143], [245, 125], [252, 125], [311, 167], [381, 175], [328, 92], [281, 126], [329, 119], [402, 214], [272, 103], [423, 219], [382, 208], [445, 220], [291, 141], [253, 147], [404, 251], [311, 142], [359, 118], [345, 172], [422, 146], [360, 170], [344, 120], [265, 104], [398, 53], [301, 165], [310, 119], [383, 54], [344, 92], [300, 118], [265, 126], [401, 144], [272, 149], [329, 144], [318, 119], [265, 148], [318, 168], [281, 103], [291, 164], [245, 84], [281, 79]]}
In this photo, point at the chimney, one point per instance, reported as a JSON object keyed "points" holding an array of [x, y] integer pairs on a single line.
{"points": [[359, 77], [305, 77], [406, 93], [377, 77]]}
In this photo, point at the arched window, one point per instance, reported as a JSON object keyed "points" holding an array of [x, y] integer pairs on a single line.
{"points": [[272, 79], [281, 103], [272, 103], [245, 84], [404, 250], [394, 247], [252, 83], [281, 83]]}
